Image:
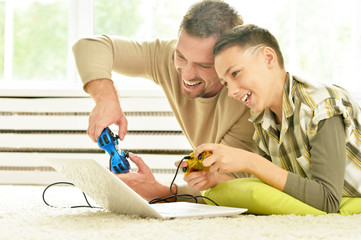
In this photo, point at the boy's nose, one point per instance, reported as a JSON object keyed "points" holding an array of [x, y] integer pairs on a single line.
{"points": [[232, 91]]}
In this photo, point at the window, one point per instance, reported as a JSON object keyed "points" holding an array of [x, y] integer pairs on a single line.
{"points": [[2, 33], [34, 42], [320, 39], [139, 19]]}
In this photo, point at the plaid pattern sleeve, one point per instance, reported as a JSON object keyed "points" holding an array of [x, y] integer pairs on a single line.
{"points": [[305, 104]]}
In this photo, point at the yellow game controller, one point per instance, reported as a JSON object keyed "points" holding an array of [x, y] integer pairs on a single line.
{"points": [[195, 164]]}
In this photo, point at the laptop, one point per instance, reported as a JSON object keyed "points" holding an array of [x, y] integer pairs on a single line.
{"points": [[114, 195]]}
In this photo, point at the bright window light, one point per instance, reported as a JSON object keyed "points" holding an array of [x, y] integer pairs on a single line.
{"points": [[320, 39]]}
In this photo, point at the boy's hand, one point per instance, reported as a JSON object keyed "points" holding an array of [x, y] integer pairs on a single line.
{"points": [[224, 159], [200, 180]]}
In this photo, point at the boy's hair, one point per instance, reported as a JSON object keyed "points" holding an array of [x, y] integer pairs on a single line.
{"points": [[210, 17], [247, 36]]}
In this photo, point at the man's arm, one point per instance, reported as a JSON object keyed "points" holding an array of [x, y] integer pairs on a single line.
{"points": [[107, 110], [96, 58]]}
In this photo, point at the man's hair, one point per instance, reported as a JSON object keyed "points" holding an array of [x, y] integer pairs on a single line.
{"points": [[247, 36], [210, 17]]}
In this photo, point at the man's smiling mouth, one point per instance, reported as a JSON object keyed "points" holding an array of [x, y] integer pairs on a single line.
{"points": [[191, 84]]}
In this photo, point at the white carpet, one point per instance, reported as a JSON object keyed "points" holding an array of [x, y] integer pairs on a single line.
{"points": [[23, 215]]}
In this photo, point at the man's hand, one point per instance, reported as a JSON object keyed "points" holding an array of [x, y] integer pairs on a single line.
{"points": [[143, 181], [107, 110]]}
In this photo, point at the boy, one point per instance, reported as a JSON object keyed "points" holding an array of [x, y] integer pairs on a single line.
{"points": [[308, 133]]}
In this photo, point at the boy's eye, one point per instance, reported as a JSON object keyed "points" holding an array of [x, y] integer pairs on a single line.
{"points": [[234, 74]]}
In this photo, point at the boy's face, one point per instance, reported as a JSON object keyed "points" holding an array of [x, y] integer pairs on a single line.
{"points": [[194, 61], [247, 75]]}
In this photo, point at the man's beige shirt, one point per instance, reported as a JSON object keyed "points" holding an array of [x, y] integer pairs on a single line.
{"points": [[219, 119]]}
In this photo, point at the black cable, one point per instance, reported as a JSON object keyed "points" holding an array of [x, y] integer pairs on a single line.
{"points": [[183, 196], [79, 206], [155, 200]]}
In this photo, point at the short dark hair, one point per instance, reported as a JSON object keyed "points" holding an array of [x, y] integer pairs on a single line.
{"points": [[248, 35], [210, 17]]}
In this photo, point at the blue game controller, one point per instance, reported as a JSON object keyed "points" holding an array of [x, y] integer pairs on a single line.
{"points": [[118, 162]]}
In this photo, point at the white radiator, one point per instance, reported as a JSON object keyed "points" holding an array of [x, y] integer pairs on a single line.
{"points": [[32, 129]]}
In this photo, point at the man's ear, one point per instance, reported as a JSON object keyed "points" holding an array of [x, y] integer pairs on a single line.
{"points": [[270, 56]]}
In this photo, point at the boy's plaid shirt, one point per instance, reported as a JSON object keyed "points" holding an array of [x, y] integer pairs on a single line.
{"points": [[305, 104]]}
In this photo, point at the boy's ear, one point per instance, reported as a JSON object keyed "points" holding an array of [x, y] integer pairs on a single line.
{"points": [[270, 56]]}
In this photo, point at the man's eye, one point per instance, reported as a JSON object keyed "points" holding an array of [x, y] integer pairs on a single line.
{"points": [[180, 56], [224, 83], [205, 66]]}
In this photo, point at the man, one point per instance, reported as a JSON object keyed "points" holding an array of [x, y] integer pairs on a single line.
{"points": [[185, 71]]}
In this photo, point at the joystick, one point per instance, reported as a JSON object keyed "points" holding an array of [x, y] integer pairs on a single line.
{"points": [[118, 162], [195, 164]]}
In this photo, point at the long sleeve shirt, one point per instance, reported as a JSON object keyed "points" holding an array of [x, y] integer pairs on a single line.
{"points": [[318, 142]]}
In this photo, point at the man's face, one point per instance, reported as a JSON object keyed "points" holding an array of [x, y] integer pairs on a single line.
{"points": [[194, 61]]}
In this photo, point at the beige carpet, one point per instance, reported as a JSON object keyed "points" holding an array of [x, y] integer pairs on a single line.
{"points": [[23, 215]]}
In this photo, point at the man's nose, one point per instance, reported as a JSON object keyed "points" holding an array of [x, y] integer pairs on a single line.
{"points": [[188, 72]]}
